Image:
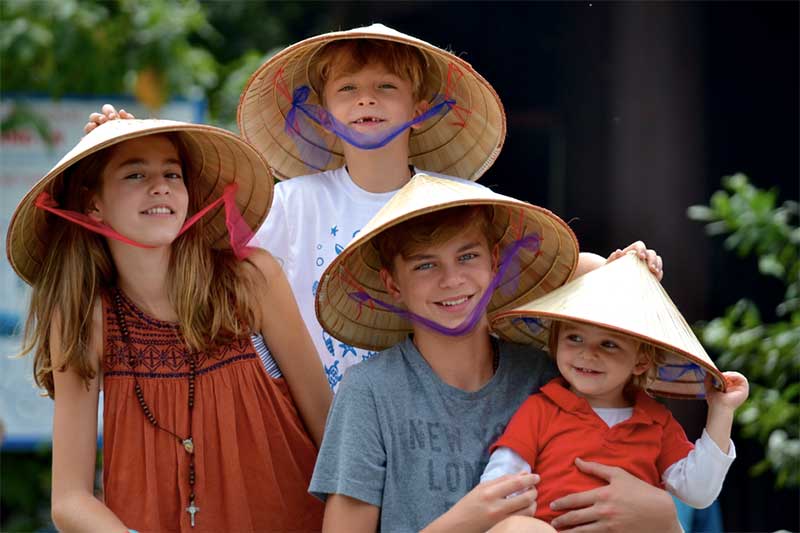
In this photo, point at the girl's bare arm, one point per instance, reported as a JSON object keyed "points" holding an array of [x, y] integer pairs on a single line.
{"points": [[290, 343], [74, 506]]}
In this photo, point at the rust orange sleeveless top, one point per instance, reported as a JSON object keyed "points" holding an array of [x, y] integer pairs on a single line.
{"points": [[253, 457]]}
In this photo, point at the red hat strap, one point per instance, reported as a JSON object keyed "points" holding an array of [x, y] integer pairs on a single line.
{"points": [[238, 229]]}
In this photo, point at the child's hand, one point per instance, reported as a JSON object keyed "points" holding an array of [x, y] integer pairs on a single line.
{"points": [[489, 503], [107, 113], [654, 262], [737, 391]]}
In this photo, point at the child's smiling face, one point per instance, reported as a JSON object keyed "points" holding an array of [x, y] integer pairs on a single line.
{"points": [[598, 363], [372, 99], [443, 282], [143, 195]]}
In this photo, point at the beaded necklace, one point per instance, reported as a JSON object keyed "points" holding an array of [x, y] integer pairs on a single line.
{"points": [[187, 442]]}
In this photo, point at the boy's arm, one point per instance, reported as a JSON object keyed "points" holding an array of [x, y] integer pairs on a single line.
{"points": [[625, 504], [348, 515]]}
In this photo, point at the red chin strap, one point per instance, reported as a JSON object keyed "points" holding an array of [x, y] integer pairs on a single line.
{"points": [[238, 230]]}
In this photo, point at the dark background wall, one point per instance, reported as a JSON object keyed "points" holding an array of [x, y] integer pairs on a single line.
{"points": [[620, 116]]}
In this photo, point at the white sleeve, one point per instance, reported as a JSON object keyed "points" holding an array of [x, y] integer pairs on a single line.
{"points": [[274, 234], [504, 461], [697, 478]]}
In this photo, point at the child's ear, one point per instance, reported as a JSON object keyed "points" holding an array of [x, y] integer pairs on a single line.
{"points": [[390, 284], [94, 212], [420, 108], [495, 257], [642, 365]]}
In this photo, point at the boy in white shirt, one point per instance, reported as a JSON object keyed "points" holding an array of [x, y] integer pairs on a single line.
{"points": [[373, 81]]}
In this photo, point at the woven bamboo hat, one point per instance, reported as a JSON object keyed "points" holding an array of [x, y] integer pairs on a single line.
{"points": [[463, 144], [623, 296], [215, 158], [358, 267]]}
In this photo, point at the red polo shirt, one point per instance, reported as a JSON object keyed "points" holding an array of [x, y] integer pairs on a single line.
{"points": [[554, 427]]}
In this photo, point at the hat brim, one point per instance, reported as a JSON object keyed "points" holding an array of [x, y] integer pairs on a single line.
{"points": [[217, 156], [464, 146], [357, 267]]}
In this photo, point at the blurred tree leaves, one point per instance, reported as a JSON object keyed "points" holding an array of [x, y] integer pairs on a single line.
{"points": [[153, 49], [767, 353]]}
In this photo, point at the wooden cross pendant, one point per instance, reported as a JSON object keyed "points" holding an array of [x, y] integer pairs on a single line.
{"points": [[192, 509]]}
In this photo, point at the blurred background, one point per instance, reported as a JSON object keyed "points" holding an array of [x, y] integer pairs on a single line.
{"points": [[672, 122]]}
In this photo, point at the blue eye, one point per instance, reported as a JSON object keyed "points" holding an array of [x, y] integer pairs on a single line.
{"points": [[173, 175], [423, 266], [467, 257], [387, 86]]}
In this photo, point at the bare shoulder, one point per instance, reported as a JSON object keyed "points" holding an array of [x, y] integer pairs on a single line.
{"points": [[262, 268]]}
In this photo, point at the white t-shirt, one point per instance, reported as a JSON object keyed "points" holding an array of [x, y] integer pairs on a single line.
{"points": [[312, 219]]}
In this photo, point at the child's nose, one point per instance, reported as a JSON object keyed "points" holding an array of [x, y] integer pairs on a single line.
{"points": [[451, 277], [159, 186], [367, 97], [587, 351]]}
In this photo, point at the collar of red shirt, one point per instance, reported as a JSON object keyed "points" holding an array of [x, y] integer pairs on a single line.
{"points": [[557, 390]]}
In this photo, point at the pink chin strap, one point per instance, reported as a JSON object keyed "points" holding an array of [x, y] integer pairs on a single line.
{"points": [[238, 230]]}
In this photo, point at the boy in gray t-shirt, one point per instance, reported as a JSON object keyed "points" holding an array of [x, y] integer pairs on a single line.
{"points": [[408, 431], [403, 440]]}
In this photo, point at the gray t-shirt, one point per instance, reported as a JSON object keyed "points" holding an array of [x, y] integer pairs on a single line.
{"points": [[399, 438]]}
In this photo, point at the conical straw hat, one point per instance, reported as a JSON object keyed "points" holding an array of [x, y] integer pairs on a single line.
{"points": [[623, 296], [440, 145], [215, 158], [358, 266]]}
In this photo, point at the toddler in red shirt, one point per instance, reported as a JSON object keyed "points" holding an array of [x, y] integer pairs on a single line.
{"points": [[615, 334]]}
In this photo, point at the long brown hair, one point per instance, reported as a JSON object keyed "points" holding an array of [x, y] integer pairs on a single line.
{"points": [[212, 293]]}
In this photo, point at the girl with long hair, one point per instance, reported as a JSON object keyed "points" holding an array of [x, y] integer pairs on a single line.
{"points": [[214, 400]]}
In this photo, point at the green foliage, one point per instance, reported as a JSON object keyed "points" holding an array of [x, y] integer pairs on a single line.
{"points": [[88, 47], [767, 353], [25, 490], [153, 49]]}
